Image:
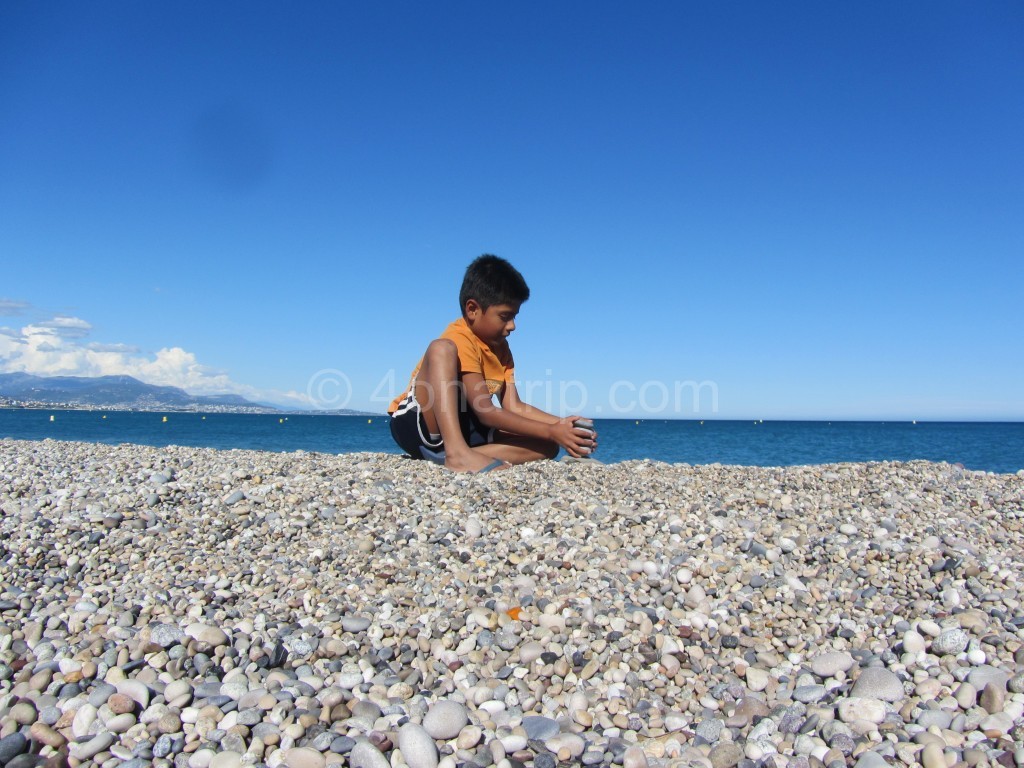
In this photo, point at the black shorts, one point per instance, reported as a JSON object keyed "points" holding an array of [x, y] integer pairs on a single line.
{"points": [[409, 428]]}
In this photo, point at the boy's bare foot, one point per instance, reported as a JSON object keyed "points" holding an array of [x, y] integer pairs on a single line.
{"points": [[475, 463]]}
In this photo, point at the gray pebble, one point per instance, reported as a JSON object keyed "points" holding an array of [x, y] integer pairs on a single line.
{"points": [[539, 728], [940, 718], [808, 694], [871, 759], [166, 635], [355, 624], [418, 747], [342, 745], [365, 755], [11, 746], [100, 693], [1016, 683], [709, 729], [84, 750], [26, 761], [445, 719], [982, 675], [878, 683], [164, 746], [831, 663], [951, 641]]}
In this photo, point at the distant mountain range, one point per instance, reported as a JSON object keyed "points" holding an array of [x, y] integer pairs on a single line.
{"points": [[116, 392]]}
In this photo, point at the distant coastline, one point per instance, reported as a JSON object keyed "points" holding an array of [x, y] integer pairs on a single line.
{"points": [[32, 405], [126, 393]]}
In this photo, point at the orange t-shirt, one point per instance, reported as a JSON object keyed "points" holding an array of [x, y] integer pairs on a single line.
{"points": [[497, 368]]}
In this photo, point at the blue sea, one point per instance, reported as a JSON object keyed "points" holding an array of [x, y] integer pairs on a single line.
{"points": [[994, 447]]}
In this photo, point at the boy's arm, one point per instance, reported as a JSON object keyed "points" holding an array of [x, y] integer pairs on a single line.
{"points": [[511, 402], [561, 431], [490, 415]]}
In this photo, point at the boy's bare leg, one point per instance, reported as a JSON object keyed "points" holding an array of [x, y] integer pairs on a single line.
{"points": [[437, 392], [516, 449]]}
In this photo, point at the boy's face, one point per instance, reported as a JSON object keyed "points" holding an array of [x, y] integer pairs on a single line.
{"points": [[494, 324]]}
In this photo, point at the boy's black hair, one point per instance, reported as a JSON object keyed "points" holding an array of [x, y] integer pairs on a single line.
{"points": [[491, 280]]}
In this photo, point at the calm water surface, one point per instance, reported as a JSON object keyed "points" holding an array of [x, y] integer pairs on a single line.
{"points": [[995, 447]]}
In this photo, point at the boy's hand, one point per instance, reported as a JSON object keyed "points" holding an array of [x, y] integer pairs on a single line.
{"points": [[579, 443]]}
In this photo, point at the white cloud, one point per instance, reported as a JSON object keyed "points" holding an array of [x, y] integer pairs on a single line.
{"points": [[55, 347], [127, 349], [61, 325]]}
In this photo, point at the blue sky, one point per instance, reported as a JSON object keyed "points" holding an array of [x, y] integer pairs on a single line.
{"points": [[740, 210]]}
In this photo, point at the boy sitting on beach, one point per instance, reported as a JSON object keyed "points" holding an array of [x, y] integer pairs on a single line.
{"points": [[448, 414]]}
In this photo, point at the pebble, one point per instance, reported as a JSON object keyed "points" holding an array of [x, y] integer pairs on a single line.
{"points": [[725, 755], [166, 635], [809, 694], [757, 679], [709, 729], [870, 759], [992, 698], [984, 675], [45, 734], [226, 759], [355, 624], [135, 690], [932, 757], [568, 746], [860, 708], [951, 641], [966, 695], [1016, 683], [11, 746], [913, 642], [208, 634], [304, 757], [878, 683], [937, 718], [365, 755], [418, 747], [121, 704], [539, 728], [636, 614], [445, 719], [86, 750], [832, 663], [468, 737], [634, 757]]}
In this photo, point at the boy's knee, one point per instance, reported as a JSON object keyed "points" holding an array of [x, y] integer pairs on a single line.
{"points": [[443, 349]]}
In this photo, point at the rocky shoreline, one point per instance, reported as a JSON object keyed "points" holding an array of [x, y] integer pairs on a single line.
{"points": [[194, 607]]}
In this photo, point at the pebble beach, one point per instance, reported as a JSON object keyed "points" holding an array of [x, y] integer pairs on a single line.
{"points": [[194, 607]]}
